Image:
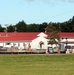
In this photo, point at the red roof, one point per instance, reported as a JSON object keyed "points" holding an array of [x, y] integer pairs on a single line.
{"points": [[18, 36], [66, 34], [28, 36]]}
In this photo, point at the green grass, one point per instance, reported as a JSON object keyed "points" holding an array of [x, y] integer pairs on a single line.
{"points": [[37, 64]]}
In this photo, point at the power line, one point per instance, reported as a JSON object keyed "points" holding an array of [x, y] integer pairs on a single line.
{"points": [[54, 16]]}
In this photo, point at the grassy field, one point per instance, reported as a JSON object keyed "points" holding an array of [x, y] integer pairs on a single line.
{"points": [[37, 64]]}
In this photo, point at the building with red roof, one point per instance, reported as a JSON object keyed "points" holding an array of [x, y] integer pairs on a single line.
{"points": [[22, 40], [35, 40]]}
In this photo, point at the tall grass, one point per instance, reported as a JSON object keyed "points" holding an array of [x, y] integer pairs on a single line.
{"points": [[37, 64]]}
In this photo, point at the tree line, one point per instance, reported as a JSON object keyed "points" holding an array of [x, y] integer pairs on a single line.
{"points": [[21, 26]]}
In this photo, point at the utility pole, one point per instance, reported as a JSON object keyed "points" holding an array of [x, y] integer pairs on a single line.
{"points": [[6, 29]]}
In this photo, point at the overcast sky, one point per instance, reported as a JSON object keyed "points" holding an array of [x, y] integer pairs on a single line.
{"points": [[35, 11]]}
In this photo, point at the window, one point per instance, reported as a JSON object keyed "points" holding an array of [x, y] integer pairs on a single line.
{"points": [[7, 43]]}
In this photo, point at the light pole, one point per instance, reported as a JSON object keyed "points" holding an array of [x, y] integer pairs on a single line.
{"points": [[66, 43]]}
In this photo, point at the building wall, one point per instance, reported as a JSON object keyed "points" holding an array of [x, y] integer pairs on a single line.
{"points": [[35, 43], [68, 41], [17, 45]]}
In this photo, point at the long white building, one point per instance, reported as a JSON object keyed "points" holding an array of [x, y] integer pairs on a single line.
{"points": [[33, 40]]}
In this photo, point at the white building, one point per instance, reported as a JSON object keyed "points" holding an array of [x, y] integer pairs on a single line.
{"points": [[35, 40], [22, 40]]}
